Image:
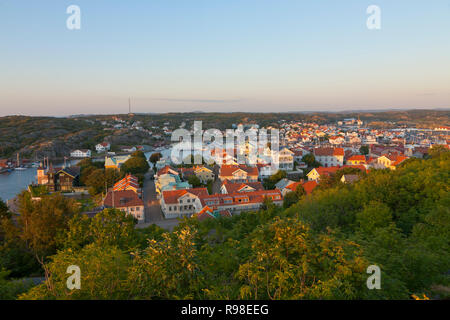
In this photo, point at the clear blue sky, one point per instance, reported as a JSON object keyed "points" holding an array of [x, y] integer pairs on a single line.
{"points": [[222, 55]]}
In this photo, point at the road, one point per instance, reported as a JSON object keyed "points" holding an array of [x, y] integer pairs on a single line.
{"points": [[216, 186], [217, 183], [152, 208]]}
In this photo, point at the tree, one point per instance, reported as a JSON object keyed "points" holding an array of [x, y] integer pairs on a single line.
{"points": [[111, 227], [269, 183], [194, 181], [4, 212], [84, 163], [135, 165], [139, 154], [167, 269], [42, 222], [15, 255], [11, 289], [287, 261], [289, 199], [112, 176], [103, 275], [209, 186], [96, 181], [437, 150], [374, 215], [294, 196], [310, 161], [154, 158], [364, 150]]}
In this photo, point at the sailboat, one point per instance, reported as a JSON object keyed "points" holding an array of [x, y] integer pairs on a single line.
{"points": [[18, 166]]}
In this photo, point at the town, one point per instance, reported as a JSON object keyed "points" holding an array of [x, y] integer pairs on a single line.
{"points": [[154, 190]]}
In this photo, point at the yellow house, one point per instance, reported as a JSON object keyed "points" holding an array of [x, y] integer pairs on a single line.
{"points": [[204, 174], [356, 159], [390, 161], [115, 162]]}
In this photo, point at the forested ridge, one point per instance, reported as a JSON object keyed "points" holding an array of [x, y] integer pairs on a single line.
{"points": [[318, 248]]}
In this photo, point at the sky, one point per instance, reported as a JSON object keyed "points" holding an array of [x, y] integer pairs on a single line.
{"points": [[222, 56]]}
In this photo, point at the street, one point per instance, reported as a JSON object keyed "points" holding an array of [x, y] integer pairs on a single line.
{"points": [[152, 208]]}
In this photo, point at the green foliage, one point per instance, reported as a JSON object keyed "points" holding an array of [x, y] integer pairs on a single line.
{"points": [[11, 289], [103, 275], [41, 222], [15, 255], [310, 161], [111, 227], [374, 215], [437, 151], [294, 196], [37, 191], [209, 186], [364, 150], [96, 181], [194, 181], [135, 165], [269, 183], [154, 158], [288, 262], [4, 212], [166, 269], [97, 178], [139, 154], [289, 199], [334, 179]]}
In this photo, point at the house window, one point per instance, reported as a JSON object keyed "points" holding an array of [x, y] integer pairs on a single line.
{"points": [[170, 208]]}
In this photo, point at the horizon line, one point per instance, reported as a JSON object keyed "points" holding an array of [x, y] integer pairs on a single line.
{"points": [[231, 112]]}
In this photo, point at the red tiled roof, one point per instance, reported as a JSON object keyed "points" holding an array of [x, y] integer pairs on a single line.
{"points": [[396, 159], [309, 186], [122, 199], [171, 196], [325, 151], [208, 213], [236, 187], [330, 170], [205, 213], [293, 186], [246, 198], [228, 170], [127, 182], [165, 170], [357, 157], [3, 163]]}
